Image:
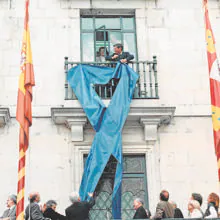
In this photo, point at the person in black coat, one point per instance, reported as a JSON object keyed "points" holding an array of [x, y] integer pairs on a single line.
{"points": [[79, 210], [120, 55], [140, 213], [177, 212], [50, 211]]}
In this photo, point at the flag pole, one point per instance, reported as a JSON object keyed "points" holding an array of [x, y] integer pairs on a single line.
{"points": [[24, 111]]}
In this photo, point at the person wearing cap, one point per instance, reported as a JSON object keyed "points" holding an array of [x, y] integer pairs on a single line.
{"points": [[33, 211], [140, 213], [120, 55], [10, 213]]}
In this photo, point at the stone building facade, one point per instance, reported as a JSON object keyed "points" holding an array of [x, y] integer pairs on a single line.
{"points": [[167, 139]]}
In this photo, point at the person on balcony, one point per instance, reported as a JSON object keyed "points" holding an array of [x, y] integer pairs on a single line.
{"points": [[101, 54], [120, 55]]}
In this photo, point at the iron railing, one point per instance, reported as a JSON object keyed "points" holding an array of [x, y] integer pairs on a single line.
{"points": [[146, 87]]}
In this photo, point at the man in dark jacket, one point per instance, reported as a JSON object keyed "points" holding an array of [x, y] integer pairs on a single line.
{"points": [[79, 210], [140, 211], [120, 55], [50, 211]]}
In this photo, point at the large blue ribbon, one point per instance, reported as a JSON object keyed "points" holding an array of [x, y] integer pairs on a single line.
{"points": [[107, 122]]}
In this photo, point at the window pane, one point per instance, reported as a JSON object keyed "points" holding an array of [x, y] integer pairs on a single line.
{"points": [[88, 47], [87, 23], [128, 23], [115, 37], [129, 43], [101, 44], [110, 23]]}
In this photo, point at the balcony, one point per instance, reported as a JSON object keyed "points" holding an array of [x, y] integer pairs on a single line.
{"points": [[146, 87]]}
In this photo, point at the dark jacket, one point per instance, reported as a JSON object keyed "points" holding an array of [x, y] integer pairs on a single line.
{"points": [[207, 211], [140, 213], [123, 55], [53, 215], [79, 210], [178, 213], [35, 212]]}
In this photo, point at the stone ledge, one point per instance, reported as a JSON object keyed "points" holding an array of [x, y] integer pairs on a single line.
{"points": [[4, 116], [162, 115]]}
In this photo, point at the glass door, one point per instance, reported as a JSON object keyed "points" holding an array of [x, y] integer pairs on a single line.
{"points": [[134, 184]]}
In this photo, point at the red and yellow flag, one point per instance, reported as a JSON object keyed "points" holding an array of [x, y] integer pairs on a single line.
{"points": [[214, 76], [24, 110]]}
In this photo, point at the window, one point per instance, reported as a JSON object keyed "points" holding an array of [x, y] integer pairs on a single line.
{"points": [[104, 32]]}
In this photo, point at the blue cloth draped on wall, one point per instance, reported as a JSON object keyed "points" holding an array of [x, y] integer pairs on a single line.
{"points": [[107, 122]]}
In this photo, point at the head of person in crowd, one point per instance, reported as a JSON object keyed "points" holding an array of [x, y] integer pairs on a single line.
{"points": [[197, 197], [164, 195], [51, 204], [173, 204], [118, 48], [138, 202], [214, 199], [11, 201], [74, 197], [193, 204], [34, 197]]}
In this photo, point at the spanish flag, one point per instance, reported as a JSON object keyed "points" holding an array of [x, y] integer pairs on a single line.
{"points": [[214, 76], [24, 111]]}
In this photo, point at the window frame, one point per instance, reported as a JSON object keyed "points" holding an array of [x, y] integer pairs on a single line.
{"points": [[121, 30]]}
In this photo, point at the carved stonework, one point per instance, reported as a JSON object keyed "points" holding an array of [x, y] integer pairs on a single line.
{"points": [[4, 116], [76, 125], [149, 117]]}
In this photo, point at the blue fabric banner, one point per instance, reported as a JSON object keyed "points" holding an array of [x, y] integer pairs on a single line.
{"points": [[107, 122]]}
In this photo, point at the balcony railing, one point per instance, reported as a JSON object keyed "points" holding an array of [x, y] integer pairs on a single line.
{"points": [[146, 87]]}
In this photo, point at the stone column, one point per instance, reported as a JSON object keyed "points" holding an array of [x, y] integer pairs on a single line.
{"points": [[151, 125]]}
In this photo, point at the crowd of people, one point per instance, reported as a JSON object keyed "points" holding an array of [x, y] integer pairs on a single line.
{"points": [[79, 210], [169, 209]]}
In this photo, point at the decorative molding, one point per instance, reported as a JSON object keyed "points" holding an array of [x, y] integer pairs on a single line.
{"points": [[139, 114], [149, 117], [76, 125], [4, 116]]}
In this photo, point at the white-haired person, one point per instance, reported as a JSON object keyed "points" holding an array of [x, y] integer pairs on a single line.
{"points": [[79, 210], [10, 212], [194, 209], [141, 212]]}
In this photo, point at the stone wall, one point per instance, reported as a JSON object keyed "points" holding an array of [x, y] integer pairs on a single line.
{"points": [[174, 31]]}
